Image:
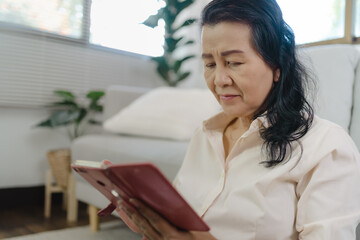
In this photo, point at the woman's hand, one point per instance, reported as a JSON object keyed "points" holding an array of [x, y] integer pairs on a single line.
{"points": [[154, 227]]}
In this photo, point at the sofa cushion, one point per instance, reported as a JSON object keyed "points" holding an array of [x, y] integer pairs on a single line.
{"points": [[334, 66], [165, 112], [165, 154], [118, 97]]}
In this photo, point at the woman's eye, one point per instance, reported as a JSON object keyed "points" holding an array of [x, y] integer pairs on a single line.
{"points": [[210, 65], [234, 64]]}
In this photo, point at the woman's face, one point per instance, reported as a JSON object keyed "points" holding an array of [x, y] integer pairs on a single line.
{"points": [[234, 71]]}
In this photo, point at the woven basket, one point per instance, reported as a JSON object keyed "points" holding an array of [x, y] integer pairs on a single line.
{"points": [[60, 160]]}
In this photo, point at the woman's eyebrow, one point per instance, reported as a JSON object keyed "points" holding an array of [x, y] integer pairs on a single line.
{"points": [[226, 53], [223, 54], [206, 55]]}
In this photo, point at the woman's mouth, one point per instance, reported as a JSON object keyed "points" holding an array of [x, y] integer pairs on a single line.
{"points": [[227, 97]]}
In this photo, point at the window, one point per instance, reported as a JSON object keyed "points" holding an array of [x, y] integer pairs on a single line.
{"points": [[314, 21], [357, 19], [114, 23], [117, 23], [60, 17]]}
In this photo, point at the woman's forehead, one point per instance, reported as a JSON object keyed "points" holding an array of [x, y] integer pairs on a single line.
{"points": [[226, 36]]}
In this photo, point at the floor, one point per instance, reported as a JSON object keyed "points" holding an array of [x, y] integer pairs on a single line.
{"points": [[30, 219]]}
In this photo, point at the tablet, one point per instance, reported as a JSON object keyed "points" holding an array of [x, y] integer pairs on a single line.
{"points": [[145, 182]]}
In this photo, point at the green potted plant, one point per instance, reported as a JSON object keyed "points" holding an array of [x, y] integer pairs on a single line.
{"points": [[168, 66], [68, 111]]}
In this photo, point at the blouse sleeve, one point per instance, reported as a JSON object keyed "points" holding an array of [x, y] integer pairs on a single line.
{"points": [[329, 196]]}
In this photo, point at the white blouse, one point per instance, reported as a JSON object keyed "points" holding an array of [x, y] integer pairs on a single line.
{"points": [[315, 195]]}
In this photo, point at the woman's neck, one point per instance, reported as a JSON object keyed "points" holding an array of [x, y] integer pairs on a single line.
{"points": [[240, 123], [233, 131]]}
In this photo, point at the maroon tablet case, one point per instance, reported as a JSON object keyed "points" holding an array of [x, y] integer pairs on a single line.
{"points": [[145, 182]]}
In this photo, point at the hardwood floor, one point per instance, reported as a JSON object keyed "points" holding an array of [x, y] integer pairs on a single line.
{"points": [[29, 218]]}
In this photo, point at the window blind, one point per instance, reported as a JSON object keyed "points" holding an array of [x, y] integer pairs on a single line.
{"points": [[32, 67]]}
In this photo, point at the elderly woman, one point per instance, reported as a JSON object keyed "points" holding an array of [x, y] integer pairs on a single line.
{"points": [[265, 167]]}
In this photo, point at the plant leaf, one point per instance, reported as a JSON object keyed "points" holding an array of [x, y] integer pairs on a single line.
{"points": [[169, 16], [182, 5], [94, 122], [182, 76], [189, 42], [178, 63], [94, 106], [161, 61], [186, 58], [45, 123], [82, 114], [65, 104], [171, 43], [163, 67], [182, 43], [152, 20], [66, 95], [95, 95], [186, 23], [63, 117], [163, 72], [177, 66]]}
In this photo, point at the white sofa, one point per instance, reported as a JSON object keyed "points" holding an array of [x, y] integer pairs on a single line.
{"points": [[337, 68]]}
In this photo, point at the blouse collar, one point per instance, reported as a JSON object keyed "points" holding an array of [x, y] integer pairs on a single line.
{"points": [[219, 122]]}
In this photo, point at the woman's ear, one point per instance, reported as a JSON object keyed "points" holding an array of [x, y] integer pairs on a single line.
{"points": [[276, 75]]}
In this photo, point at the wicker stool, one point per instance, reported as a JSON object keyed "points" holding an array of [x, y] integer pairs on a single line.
{"points": [[59, 161]]}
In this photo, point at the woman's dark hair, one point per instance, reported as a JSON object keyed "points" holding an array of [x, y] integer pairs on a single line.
{"points": [[289, 113]]}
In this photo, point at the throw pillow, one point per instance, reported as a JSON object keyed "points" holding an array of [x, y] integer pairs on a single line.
{"points": [[165, 112]]}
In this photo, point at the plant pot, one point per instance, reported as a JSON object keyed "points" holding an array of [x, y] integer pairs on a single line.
{"points": [[60, 160]]}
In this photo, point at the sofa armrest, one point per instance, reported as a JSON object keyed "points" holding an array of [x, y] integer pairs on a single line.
{"points": [[117, 97], [355, 118]]}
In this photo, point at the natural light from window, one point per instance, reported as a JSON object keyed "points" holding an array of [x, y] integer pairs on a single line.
{"points": [[357, 19], [314, 20], [60, 17], [117, 24]]}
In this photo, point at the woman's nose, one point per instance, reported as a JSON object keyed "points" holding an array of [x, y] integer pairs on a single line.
{"points": [[222, 78]]}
